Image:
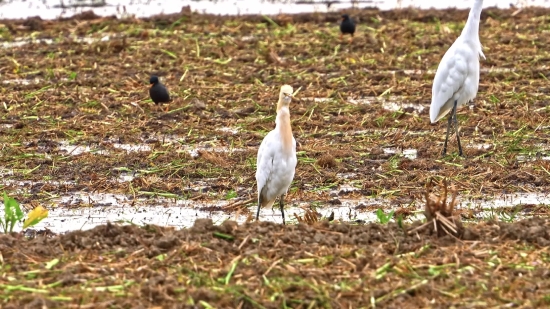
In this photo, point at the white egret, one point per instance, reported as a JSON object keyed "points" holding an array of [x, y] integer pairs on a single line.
{"points": [[277, 157], [457, 77]]}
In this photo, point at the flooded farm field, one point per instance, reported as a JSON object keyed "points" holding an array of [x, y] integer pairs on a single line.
{"points": [[151, 206]]}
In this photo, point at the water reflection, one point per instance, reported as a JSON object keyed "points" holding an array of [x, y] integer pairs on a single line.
{"points": [[83, 210], [51, 9]]}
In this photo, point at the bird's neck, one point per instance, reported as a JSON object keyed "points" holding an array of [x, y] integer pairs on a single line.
{"points": [[282, 124], [471, 29]]}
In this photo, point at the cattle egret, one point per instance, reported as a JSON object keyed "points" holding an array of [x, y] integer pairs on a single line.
{"points": [[157, 92], [457, 77], [347, 26], [277, 157]]}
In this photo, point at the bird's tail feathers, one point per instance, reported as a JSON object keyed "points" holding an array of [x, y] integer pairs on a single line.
{"points": [[262, 201]]}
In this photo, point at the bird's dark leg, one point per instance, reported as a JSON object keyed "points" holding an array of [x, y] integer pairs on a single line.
{"points": [[448, 129], [456, 129], [259, 206], [281, 199]]}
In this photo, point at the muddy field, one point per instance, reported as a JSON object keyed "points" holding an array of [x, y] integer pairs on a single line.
{"points": [[76, 118], [268, 265]]}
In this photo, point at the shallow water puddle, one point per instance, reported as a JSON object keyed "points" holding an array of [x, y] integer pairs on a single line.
{"points": [[18, 42], [377, 132], [50, 9], [193, 150], [479, 146], [407, 153], [525, 203], [133, 147], [77, 213], [21, 81], [346, 175], [318, 100], [391, 103], [126, 177], [82, 210], [5, 172], [507, 200], [231, 130], [75, 150], [113, 208], [530, 158], [541, 154], [30, 183], [22, 41]]}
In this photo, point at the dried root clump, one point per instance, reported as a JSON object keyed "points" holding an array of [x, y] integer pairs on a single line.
{"points": [[310, 217], [213, 158], [327, 160], [439, 213]]}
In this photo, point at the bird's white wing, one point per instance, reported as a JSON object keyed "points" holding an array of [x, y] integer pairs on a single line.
{"points": [[264, 162], [449, 78]]}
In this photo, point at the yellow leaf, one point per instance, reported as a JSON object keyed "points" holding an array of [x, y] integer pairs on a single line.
{"points": [[36, 215]]}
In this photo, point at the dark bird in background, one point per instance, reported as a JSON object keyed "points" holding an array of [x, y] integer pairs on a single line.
{"points": [[158, 93], [347, 26]]}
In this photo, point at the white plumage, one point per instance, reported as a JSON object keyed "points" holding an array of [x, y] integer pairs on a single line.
{"points": [[277, 157], [457, 77]]}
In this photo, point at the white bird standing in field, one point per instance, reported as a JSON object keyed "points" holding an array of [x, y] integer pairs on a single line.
{"points": [[457, 77], [277, 159]]}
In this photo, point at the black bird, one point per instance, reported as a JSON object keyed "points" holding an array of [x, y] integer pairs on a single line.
{"points": [[158, 93], [347, 26]]}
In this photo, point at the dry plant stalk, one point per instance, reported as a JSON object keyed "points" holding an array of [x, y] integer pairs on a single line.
{"points": [[238, 204], [439, 213], [212, 157]]}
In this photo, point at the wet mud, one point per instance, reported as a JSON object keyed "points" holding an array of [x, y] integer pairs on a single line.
{"points": [[66, 86], [83, 82]]}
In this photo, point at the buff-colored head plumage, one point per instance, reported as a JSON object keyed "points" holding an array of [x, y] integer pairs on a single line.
{"points": [[285, 96]]}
